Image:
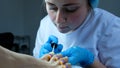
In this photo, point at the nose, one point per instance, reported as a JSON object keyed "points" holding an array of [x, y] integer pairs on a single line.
{"points": [[60, 17]]}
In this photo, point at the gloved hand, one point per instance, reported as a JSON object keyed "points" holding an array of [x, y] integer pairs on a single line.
{"points": [[79, 55], [46, 48]]}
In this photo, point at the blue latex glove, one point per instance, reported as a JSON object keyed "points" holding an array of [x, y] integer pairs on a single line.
{"points": [[46, 48], [79, 55]]}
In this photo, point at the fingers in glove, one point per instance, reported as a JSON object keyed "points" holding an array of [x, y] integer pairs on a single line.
{"points": [[59, 48], [52, 38]]}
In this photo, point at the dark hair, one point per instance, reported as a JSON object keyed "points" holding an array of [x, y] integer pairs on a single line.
{"points": [[89, 4], [43, 6]]}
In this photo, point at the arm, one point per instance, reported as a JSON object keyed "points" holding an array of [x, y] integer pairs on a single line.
{"points": [[96, 64], [9, 59]]}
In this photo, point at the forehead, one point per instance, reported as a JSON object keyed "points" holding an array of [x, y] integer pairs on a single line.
{"points": [[63, 2]]}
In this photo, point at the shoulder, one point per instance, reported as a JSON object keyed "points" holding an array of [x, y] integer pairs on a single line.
{"points": [[47, 27], [103, 14], [46, 22], [104, 17], [46, 19], [109, 23]]}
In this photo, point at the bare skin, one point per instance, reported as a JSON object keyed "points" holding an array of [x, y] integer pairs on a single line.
{"points": [[96, 63], [9, 59], [56, 59]]}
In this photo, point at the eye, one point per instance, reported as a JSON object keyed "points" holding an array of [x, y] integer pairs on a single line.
{"points": [[71, 9], [52, 7]]}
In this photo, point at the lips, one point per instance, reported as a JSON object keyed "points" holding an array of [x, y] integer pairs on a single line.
{"points": [[62, 27]]}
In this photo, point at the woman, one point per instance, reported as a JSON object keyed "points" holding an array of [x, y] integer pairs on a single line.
{"points": [[85, 31]]}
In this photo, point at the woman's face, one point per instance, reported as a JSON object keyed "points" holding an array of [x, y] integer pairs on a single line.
{"points": [[67, 15]]}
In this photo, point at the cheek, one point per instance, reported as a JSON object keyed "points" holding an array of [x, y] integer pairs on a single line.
{"points": [[77, 19], [52, 15], [79, 16]]}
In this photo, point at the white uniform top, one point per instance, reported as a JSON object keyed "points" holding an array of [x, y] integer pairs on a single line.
{"points": [[99, 33]]}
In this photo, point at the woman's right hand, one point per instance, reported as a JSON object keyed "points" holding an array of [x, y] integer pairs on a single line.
{"points": [[47, 48]]}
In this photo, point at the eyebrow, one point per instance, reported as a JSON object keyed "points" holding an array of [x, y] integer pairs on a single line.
{"points": [[50, 3], [70, 4]]}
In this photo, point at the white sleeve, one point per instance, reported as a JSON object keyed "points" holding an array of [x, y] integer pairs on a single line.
{"points": [[37, 45], [109, 47], [42, 36], [39, 39]]}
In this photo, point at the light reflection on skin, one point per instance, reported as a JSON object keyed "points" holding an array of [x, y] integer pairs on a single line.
{"points": [[56, 60]]}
